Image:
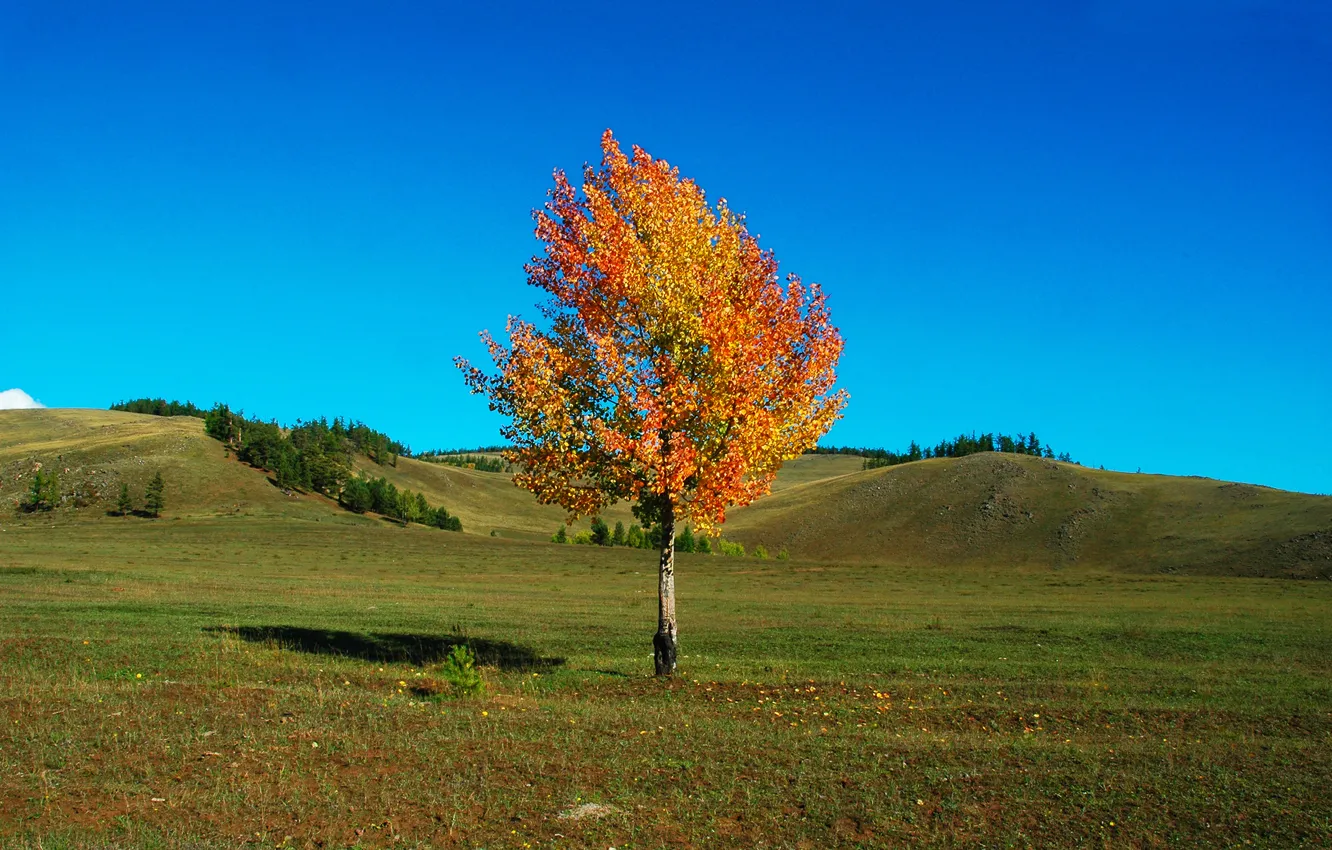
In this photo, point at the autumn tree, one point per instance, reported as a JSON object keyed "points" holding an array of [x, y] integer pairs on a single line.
{"points": [[674, 368]]}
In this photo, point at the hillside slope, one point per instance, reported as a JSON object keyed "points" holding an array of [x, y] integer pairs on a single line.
{"points": [[94, 451], [1015, 509], [981, 509], [484, 501]]}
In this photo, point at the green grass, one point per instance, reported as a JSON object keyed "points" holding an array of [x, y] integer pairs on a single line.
{"points": [[271, 682]]}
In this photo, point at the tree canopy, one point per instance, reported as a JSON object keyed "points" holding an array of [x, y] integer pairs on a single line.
{"points": [[673, 366]]}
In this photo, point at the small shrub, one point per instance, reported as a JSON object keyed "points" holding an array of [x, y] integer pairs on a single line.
{"points": [[460, 671], [783, 555], [761, 552], [685, 541], [634, 537], [733, 550], [583, 538]]}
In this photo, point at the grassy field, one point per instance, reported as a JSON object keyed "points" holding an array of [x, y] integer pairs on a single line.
{"points": [[274, 681]]}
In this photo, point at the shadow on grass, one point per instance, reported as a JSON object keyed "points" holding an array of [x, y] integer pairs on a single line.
{"points": [[392, 648]]}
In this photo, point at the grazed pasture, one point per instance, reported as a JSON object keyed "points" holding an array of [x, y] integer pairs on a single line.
{"points": [[274, 682]]}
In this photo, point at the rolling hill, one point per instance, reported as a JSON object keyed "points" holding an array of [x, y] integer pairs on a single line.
{"points": [[1023, 510], [997, 509], [94, 451]]}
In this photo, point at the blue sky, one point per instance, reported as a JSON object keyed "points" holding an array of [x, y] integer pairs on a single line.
{"points": [[1107, 222]]}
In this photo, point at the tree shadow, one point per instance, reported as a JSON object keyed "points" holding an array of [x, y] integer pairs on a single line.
{"points": [[385, 647]]}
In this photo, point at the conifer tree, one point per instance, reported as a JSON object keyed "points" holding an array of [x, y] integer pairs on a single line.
{"points": [[356, 496], [123, 504], [601, 533], [153, 500], [43, 493], [617, 536]]}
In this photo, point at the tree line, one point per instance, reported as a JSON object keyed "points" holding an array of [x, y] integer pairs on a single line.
{"points": [[382, 497], [637, 537], [317, 457], [376, 445], [159, 407], [466, 461], [960, 446]]}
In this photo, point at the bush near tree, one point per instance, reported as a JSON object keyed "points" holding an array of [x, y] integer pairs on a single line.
{"points": [[685, 542]]}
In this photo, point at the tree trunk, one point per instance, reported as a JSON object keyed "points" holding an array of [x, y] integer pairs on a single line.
{"points": [[665, 642]]}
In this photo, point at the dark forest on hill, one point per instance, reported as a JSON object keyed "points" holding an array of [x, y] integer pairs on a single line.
{"points": [[159, 407], [313, 457]]}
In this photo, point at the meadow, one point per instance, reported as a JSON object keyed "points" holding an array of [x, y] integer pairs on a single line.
{"points": [[277, 682]]}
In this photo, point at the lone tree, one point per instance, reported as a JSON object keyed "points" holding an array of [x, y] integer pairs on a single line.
{"points": [[674, 368], [152, 497], [43, 493], [123, 504]]}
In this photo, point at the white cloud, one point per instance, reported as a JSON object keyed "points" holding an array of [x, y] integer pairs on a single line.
{"points": [[17, 399]]}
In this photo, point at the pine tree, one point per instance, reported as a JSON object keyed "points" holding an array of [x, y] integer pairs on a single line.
{"points": [[44, 493], [617, 536], [601, 533], [356, 496], [560, 536], [152, 498], [123, 504]]}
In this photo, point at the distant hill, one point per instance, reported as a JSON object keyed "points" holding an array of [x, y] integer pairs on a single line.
{"points": [[94, 451], [995, 509], [1023, 510]]}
